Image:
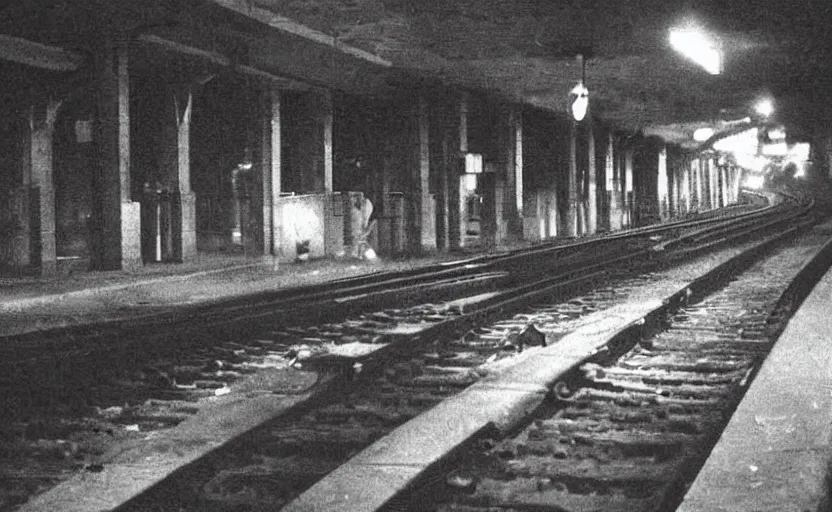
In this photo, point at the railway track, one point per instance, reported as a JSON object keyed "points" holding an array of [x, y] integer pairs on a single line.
{"points": [[629, 431], [274, 464], [71, 432]]}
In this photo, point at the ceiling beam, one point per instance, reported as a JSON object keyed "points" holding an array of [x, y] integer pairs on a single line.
{"points": [[222, 60], [38, 55], [284, 24]]}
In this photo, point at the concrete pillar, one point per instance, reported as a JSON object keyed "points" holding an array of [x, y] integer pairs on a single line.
{"points": [[591, 182], [713, 175], [702, 185], [270, 167], [328, 117], [116, 242], [629, 196], [176, 169], [442, 191], [674, 179], [421, 221], [512, 156], [570, 227], [605, 220], [38, 249], [614, 181], [662, 185], [696, 183], [456, 185], [725, 185], [735, 183], [685, 199]]}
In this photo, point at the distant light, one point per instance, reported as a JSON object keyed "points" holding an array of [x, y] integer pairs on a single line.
{"points": [[470, 181], [752, 163], [775, 149], [581, 101], [695, 45], [777, 134], [801, 170], [473, 163], [800, 151], [764, 107], [754, 181], [703, 134], [744, 142]]}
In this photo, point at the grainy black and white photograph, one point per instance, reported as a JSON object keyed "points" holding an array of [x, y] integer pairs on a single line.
{"points": [[415, 255]]}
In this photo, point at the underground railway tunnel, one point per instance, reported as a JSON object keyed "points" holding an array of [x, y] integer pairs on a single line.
{"points": [[378, 255]]}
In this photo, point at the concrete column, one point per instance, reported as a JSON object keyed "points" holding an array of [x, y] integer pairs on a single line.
{"points": [[570, 227], [176, 168], [713, 175], [702, 185], [674, 178], [116, 219], [456, 185], [592, 182], [685, 200], [605, 220], [443, 191], [328, 116], [629, 196], [736, 178], [725, 185], [662, 185], [614, 180], [270, 167], [696, 184], [825, 150], [421, 221], [512, 156], [39, 247]]}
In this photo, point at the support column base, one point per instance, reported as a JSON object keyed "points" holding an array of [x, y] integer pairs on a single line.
{"points": [[186, 248], [131, 236]]}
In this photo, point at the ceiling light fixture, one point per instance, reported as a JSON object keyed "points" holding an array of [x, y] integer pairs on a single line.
{"points": [[703, 134], [580, 94], [764, 107], [698, 47]]}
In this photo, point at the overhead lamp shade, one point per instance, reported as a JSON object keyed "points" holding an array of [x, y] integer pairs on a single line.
{"points": [[580, 101]]}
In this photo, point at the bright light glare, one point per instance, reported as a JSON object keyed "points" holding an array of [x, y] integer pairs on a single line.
{"points": [[765, 108], [581, 102], [776, 149], [743, 142], [753, 163], [776, 134], [754, 181], [800, 151], [696, 46], [703, 134], [473, 163], [470, 181]]}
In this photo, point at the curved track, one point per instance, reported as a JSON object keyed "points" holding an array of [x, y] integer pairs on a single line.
{"points": [[273, 464], [160, 387]]}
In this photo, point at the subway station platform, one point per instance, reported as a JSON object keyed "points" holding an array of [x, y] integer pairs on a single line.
{"points": [[76, 296]]}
